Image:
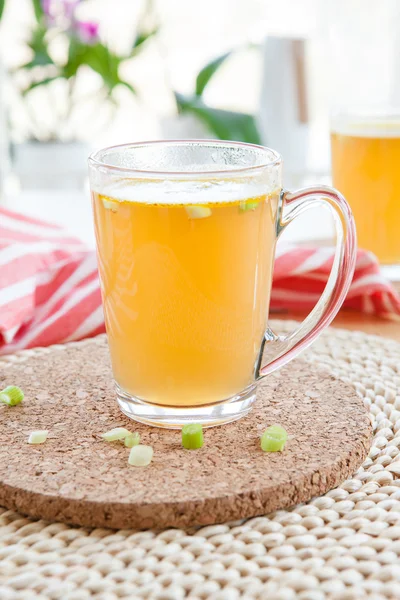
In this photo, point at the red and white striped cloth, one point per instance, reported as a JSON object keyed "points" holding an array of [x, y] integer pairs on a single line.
{"points": [[50, 293]]}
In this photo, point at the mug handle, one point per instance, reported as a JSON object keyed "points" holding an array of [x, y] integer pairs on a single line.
{"points": [[278, 350]]}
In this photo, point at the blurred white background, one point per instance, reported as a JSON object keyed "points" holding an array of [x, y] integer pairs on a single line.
{"points": [[191, 33]]}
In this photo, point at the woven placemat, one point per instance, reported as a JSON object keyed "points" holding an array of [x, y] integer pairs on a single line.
{"points": [[343, 545]]}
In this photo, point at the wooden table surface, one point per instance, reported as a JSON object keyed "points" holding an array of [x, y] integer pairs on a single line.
{"points": [[347, 319]]}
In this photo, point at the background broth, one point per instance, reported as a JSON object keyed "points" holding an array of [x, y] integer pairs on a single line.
{"points": [[365, 168]]}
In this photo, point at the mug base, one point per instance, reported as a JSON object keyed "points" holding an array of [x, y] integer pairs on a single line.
{"points": [[174, 417]]}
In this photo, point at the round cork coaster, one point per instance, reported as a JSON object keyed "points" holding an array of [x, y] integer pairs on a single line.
{"points": [[77, 478]]}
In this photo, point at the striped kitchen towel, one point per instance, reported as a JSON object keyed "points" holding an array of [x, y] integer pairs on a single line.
{"points": [[50, 293]]}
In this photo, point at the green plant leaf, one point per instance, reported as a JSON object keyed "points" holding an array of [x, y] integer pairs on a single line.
{"points": [[38, 45], [96, 56], [35, 84], [127, 85], [77, 54], [224, 124], [105, 63], [208, 71], [38, 9], [2, 4], [39, 59], [140, 40], [99, 58]]}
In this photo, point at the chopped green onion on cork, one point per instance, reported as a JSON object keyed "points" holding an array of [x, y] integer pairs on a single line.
{"points": [[119, 433], [192, 436], [11, 395], [38, 437], [131, 440], [274, 439], [140, 456]]}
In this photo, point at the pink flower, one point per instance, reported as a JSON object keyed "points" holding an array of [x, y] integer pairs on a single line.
{"points": [[69, 7], [46, 4], [88, 31], [56, 10]]}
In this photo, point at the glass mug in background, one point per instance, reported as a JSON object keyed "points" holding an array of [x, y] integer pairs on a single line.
{"points": [[186, 234], [364, 96], [365, 167]]}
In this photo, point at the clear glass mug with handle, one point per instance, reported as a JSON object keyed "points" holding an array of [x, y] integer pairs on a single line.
{"points": [[186, 234], [364, 98]]}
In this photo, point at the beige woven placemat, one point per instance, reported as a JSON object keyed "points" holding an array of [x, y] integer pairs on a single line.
{"points": [[344, 545]]}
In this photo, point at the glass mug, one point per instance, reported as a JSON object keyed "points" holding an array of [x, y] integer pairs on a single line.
{"points": [[186, 234], [365, 166], [364, 99]]}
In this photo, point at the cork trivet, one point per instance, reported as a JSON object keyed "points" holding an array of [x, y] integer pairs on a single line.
{"points": [[77, 478]]}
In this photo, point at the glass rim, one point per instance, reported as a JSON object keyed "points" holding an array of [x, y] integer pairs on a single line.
{"points": [[276, 161]]}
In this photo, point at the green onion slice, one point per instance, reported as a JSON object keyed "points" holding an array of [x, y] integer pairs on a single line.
{"points": [[246, 205], [38, 437], [274, 439], [198, 212], [119, 433], [110, 205], [192, 436], [131, 440], [140, 456], [11, 395]]}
